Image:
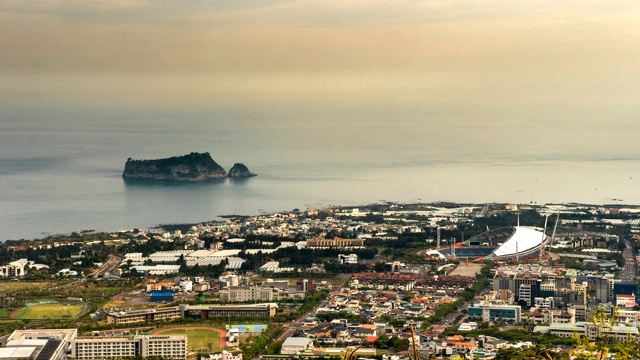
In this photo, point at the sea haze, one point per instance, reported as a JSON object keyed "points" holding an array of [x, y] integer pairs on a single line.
{"points": [[61, 174], [329, 102]]}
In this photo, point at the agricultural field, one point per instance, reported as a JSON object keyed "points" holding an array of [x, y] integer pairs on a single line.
{"points": [[200, 338], [50, 311], [11, 286]]}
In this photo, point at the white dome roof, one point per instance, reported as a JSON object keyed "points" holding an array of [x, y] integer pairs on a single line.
{"points": [[523, 239]]}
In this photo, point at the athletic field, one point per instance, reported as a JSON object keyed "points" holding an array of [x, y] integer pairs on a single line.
{"points": [[200, 338], [50, 311]]}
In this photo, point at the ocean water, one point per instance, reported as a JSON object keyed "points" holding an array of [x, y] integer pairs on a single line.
{"points": [[62, 172]]}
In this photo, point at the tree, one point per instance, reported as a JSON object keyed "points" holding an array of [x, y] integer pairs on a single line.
{"points": [[585, 348], [382, 341]]}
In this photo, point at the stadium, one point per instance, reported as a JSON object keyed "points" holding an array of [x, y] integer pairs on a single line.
{"points": [[515, 243]]}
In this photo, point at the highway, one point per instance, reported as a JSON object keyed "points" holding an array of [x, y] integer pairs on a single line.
{"points": [[109, 267]]}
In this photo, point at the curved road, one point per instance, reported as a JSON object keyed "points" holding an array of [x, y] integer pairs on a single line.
{"points": [[109, 267]]}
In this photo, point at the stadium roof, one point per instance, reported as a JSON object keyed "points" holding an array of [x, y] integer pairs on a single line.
{"points": [[523, 239]]}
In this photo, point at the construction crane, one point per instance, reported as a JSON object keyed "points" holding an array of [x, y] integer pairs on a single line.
{"points": [[350, 352], [415, 356]]}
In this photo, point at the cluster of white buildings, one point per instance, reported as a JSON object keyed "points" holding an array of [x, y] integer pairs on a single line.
{"points": [[190, 257], [274, 267], [18, 268]]}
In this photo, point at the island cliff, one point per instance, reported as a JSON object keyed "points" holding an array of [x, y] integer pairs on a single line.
{"points": [[240, 171], [192, 167]]}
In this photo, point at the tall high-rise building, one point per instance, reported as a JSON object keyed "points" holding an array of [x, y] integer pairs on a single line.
{"points": [[604, 289]]}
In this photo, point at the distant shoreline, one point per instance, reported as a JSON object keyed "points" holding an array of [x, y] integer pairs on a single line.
{"points": [[365, 208]]}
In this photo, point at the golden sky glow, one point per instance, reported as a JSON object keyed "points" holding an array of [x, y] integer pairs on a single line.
{"points": [[479, 57]]}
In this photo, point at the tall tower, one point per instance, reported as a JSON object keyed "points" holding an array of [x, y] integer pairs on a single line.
{"points": [[453, 248], [438, 236]]}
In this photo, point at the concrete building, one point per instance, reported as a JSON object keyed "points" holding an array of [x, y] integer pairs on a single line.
{"points": [[334, 243], [186, 285], [558, 317], [164, 346], [625, 300], [150, 315], [524, 294], [491, 312], [604, 288], [39, 344], [579, 293], [624, 287], [14, 268], [161, 296], [544, 303], [224, 355], [193, 311], [305, 285], [348, 259], [209, 311], [618, 332], [294, 345], [227, 280], [246, 293], [580, 312], [282, 285]]}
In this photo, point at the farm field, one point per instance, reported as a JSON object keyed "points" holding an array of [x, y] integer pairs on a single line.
{"points": [[200, 338], [20, 285], [50, 311]]}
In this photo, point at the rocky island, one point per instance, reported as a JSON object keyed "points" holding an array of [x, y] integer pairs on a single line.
{"points": [[193, 167], [239, 171]]}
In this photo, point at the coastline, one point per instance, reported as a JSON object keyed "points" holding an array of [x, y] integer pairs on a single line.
{"points": [[372, 207]]}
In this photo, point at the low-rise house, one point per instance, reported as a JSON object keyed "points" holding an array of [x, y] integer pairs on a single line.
{"points": [[494, 345], [224, 355], [296, 345]]}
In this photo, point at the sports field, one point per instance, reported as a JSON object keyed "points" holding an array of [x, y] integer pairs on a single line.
{"points": [[200, 338], [50, 311]]}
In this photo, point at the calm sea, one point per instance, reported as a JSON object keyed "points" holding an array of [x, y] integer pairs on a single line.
{"points": [[61, 173]]}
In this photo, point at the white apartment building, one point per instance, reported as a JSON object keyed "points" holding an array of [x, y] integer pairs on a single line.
{"points": [[39, 344], [165, 346], [186, 285], [229, 280], [348, 259], [544, 303], [246, 293], [224, 355], [524, 294], [136, 316]]}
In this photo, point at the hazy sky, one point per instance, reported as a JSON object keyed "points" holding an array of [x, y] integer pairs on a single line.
{"points": [[568, 64]]}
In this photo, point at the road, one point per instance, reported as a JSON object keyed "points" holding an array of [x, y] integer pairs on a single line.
{"points": [[450, 320], [629, 270], [108, 267]]}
